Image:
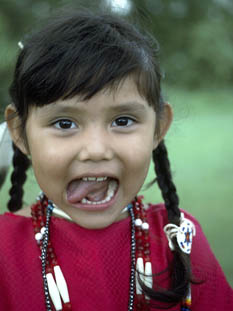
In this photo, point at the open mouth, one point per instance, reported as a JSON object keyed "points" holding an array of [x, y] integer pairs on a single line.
{"points": [[92, 191]]}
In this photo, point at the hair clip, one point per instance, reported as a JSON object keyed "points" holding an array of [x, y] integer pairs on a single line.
{"points": [[20, 45], [183, 233], [6, 152]]}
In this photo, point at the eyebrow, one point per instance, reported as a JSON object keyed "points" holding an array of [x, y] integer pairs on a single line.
{"points": [[129, 106], [133, 106]]}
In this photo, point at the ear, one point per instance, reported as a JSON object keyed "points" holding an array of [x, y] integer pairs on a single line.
{"points": [[164, 123], [15, 128]]}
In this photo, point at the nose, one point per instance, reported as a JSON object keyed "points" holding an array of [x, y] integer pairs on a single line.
{"points": [[95, 145]]}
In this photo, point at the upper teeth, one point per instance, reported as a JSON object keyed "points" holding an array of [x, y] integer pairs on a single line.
{"points": [[94, 178]]}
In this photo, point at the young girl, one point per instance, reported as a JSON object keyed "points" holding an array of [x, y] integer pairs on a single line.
{"points": [[88, 113]]}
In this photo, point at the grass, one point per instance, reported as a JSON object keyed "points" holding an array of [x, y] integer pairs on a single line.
{"points": [[201, 152]]}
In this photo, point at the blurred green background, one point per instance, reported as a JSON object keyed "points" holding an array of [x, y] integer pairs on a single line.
{"points": [[196, 44]]}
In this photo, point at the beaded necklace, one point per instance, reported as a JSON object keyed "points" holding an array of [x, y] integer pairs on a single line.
{"points": [[55, 287]]}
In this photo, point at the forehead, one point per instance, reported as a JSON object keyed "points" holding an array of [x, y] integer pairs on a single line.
{"points": [[121, 97], [123, 90]]}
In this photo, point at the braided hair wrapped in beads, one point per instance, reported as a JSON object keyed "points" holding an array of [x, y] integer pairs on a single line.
{"points": [[81, 53]]}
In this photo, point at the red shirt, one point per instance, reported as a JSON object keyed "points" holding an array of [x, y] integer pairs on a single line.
{"points": [[96, 264]]}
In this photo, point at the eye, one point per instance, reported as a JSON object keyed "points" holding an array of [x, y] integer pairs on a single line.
{"points": [[64, 124], [123, 122]]}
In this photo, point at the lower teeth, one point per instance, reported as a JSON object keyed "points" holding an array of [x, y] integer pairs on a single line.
{"points": [[110, 193]]}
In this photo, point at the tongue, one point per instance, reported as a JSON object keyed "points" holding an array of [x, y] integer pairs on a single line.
{"points": [[92, 190]]}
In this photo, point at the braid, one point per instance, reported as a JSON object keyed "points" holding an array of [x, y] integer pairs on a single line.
{"points": [[181, 271], [18, 177], [164, 179]]}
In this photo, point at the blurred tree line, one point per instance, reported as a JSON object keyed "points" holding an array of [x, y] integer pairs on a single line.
{"points": [[195, 36]]}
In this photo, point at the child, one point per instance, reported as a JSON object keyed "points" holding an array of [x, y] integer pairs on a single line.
{"points": [[87, 111]]}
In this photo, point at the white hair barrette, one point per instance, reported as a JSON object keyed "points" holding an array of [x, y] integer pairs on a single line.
{"points": [[183, 233], [20, 45], [6, 152]]}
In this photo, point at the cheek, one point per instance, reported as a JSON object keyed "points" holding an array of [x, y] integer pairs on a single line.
{"points": [[140, 150], [47, 162], [138, 161], [135, 172]]}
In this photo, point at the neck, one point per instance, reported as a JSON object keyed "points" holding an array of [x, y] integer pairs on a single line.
{"points": [[60, 213]]}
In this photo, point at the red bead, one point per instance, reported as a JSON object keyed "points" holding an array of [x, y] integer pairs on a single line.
{"points": [[147, 259], [138, 234], [67, 306], [54, 262], [139, 299], [146, 238], [146, 232], [139, 254], [147, 252], [48, 270], [139, 241]]}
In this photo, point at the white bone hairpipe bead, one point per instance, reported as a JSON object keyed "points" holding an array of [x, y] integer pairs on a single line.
{"points": [[148, 275], [53, 292], [61, 284], [139, 273]]}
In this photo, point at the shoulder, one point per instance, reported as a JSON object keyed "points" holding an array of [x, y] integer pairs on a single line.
{"points": [[16, 234], [26, 212], [19, 263], [14, 226], [160, 213]]}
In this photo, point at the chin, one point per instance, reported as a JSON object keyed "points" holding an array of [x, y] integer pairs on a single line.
{"points": [[93, 225], [95, 222]]}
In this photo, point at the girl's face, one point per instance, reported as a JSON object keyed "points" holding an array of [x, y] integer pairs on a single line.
{"points": [[74, 142]]}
